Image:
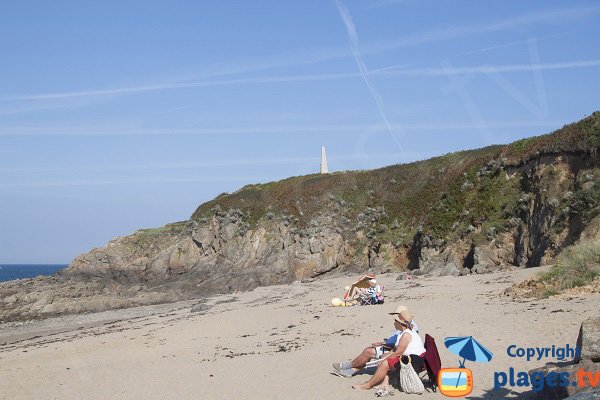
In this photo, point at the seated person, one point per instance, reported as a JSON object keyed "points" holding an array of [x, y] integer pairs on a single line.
{"points": [[409, 344], [374, 291], [377, 350]]}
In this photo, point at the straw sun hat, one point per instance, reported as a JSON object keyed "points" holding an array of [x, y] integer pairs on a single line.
{"points": [[399, 309]]}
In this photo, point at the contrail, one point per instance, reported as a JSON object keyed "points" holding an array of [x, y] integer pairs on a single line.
{"points": [[364, 72], [441, 34], [385, 71], [128, 181], [116, 130], [500, 46]]}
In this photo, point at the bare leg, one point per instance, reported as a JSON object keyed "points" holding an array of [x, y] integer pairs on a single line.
{"points": [[354, 293], [377, 377], [359, 362], [385, 383]]}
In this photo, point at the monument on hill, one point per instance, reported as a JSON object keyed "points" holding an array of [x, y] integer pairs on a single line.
{"points": [[324, 168]]}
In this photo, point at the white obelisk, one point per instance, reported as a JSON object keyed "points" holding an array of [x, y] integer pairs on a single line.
{"points": [[324, 168]]}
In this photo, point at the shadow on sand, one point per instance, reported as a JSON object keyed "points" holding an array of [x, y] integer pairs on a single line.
{"points": [[504, 393]]}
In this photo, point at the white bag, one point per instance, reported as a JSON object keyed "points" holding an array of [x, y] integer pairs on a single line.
{"points": [[409, 380]]}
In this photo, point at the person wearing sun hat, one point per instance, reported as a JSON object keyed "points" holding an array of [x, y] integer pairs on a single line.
{"points": [[409, 344], [374, 291], [377, 350], [401, 308]]}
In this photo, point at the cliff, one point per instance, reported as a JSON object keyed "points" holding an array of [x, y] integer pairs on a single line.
{"points": [[504, 206]]}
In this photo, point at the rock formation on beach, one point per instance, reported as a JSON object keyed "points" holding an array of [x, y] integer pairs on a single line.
{"points": [[502, 206], [588, 360]]}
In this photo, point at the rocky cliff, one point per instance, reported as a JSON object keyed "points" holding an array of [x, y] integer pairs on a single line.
{"points": [[468, 212]]}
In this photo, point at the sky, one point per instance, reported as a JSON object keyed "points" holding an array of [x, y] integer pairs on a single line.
{"points": [[117, 116]]}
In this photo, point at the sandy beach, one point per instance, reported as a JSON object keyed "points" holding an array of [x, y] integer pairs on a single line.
{"points": [[275, 342]]}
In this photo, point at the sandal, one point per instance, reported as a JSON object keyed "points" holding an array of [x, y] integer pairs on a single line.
{"points": [[382, 392]]}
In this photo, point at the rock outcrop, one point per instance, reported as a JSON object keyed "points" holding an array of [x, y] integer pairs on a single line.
{"points": [[476, 211], [589, 344], [589, 340]]}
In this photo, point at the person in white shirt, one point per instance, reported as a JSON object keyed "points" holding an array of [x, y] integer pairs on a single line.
{"points": [[376, 351], [409, 344]]}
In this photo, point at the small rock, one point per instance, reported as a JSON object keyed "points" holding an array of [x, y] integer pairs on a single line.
{"points": [[200, 307]]}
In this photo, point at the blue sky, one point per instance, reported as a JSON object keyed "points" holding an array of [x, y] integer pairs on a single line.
{"points": [[116, 116]]}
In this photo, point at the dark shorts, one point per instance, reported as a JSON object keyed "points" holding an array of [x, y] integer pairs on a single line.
{"points": [[417, 362]]}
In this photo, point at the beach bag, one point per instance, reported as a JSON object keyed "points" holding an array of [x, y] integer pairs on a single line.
{"points": [[409, 380]]}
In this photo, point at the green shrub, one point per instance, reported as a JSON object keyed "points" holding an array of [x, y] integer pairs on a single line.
{"points": [[523, 144], [549, 292], [576, 266]]}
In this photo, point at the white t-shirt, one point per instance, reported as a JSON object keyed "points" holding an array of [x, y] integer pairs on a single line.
{"points": [[415, 346], [397, 334]]}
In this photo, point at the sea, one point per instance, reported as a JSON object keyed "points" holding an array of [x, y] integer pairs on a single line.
{"points": [[9, 272]]}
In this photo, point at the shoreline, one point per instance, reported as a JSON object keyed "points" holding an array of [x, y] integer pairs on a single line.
{"points": [[14, 271]]}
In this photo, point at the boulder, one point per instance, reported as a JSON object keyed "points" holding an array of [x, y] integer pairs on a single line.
{"points": [[484, 260], [561, 392], [589, 339], [438, 269], [589, 342]]}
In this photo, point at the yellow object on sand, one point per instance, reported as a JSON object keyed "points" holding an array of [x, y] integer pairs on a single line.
{"points": [[337, 302]]}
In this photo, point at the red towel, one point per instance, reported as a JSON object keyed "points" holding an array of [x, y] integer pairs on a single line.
{"points": [[432, 357]]}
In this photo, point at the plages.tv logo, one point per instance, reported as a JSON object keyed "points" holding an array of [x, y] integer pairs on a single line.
{"points": [[458, 382]]}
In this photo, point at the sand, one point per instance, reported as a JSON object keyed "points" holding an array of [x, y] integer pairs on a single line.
{"points": [[275, 342]]}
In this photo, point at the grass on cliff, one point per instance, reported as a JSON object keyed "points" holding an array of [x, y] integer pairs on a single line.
{"points": [[172, 228], [446, 196], [577, 265], [410, 194], [582, 136]]}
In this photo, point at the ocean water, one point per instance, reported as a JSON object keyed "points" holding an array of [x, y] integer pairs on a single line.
{"points": [[17, 271]]}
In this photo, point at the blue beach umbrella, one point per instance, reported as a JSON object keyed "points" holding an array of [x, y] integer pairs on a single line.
{"points": [[469, 349]]}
